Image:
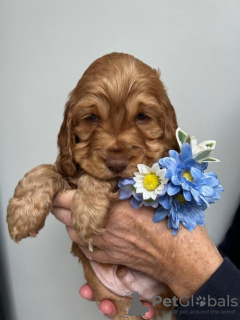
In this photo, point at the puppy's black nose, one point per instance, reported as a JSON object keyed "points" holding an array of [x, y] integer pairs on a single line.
{"points": [[117, 165]]}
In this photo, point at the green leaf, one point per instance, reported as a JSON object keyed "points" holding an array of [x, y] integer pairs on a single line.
{"points": [[209, 143], [180, 135], [203, 155], [187, 140], [150, 200], [209, 159]]}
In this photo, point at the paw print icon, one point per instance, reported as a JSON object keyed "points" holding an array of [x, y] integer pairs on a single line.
{"points": [[200, 301]]}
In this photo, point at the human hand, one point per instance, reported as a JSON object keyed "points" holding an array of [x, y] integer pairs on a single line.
{"points": [[183, 262], [107, 307], [61, 210]]}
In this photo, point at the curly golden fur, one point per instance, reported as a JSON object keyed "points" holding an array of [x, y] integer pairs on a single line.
{"points": [[118, 115]]}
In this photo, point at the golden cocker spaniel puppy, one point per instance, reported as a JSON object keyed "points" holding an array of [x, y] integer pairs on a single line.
{"points": [[118, 116]]}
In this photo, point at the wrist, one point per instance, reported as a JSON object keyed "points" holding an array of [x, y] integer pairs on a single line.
{"points": [[190, 282], [191, 260]]}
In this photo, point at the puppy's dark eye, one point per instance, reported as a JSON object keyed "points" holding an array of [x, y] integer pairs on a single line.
{"points": [[141, 116], [77, 140], [93, 118]]}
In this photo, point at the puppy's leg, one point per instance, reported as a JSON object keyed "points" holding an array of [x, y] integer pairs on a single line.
{"points": [[32, 201], [90, 206]]}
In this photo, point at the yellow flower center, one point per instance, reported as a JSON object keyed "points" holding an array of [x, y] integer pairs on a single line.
{"points": [[151, 181], [187, 175], [180, 198]]}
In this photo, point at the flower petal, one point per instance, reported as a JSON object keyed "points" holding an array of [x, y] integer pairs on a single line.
{"points": [[125, 181], [187, 195], [155, 167], [175, 232], [197, 174], [135, 203], [189, 163], [186, 152], [168, 163], [175, 180], [161, 173], [175, 155], [142, 168], [165, 201], [208, 191], [160, 214], [126, 192], [138, 196], [173, 189]]}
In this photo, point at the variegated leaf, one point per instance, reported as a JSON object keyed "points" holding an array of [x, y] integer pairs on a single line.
{"points": [[180, 135], [209, 159], [203, 155], [209, 143]]}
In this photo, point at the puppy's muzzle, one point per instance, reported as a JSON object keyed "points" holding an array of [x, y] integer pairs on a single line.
{"points": [[117, 165]]}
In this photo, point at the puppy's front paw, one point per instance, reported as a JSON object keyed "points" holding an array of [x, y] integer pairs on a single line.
{"points": [[89, 218], [24, 220], [32, 201], [90, 206]]}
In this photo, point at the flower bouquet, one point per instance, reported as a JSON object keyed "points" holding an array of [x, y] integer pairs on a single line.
{"points": [[177, 186]]}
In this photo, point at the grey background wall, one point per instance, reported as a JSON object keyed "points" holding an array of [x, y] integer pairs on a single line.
{"points": [[45, 47]]}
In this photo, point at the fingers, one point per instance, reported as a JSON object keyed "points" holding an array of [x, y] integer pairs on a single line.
{"points": [[63, 215], [64, 199], [86, 292], [108, 308], [62, 207], [98, 255], [150, 313], [74, 237]]}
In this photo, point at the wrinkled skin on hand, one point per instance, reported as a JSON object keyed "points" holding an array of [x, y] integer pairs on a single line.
{"points": [[183, 262]]}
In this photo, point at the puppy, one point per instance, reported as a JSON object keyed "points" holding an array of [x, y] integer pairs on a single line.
{"points": [[118, 116]]}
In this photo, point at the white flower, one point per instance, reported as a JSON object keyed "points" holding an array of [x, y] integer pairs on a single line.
{"points": [[150, 181]]}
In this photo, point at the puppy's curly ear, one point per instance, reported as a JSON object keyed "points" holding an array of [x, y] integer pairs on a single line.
{"points": [[65, 162], [170, 127]]}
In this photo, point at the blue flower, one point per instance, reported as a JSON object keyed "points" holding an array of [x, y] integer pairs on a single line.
{"points": [[186, 190], [178, 210], [190, 190], [185, 173], [127, 190]]}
